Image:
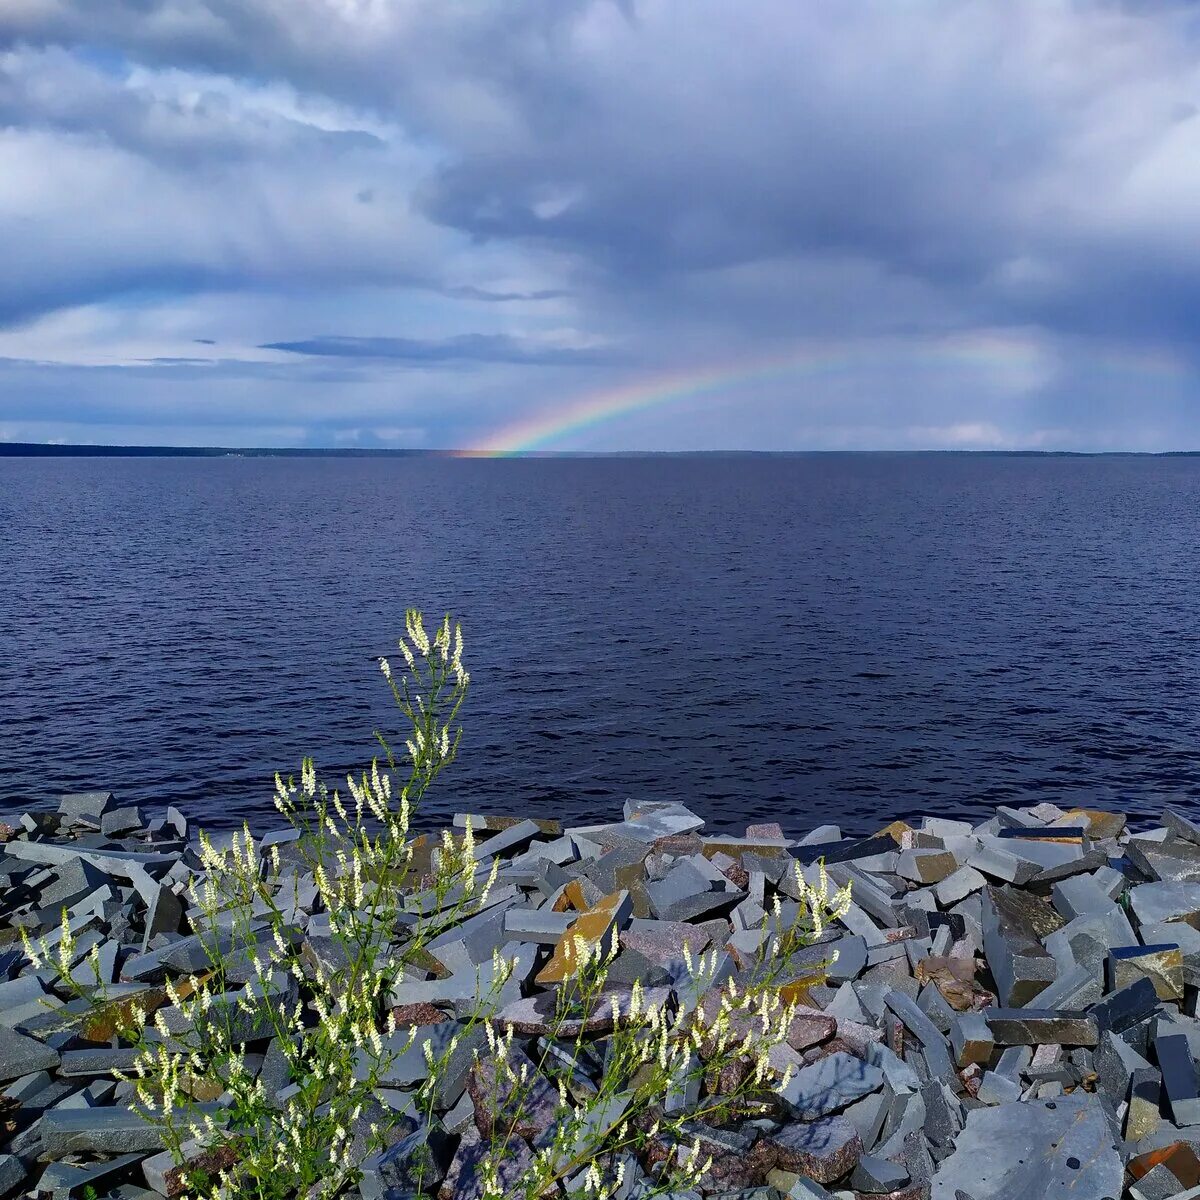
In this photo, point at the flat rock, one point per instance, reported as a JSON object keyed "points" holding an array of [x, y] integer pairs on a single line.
{"points": [[593, 928], [822, 1150], [98, 1131], [1012, 926], [1155, 903], [1041, 1027], [1161, 964], [830, 1083], [22, 1055], [1061, 1149]]}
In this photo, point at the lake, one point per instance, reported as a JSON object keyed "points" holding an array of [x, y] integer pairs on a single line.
{"points": [[803, 638]]}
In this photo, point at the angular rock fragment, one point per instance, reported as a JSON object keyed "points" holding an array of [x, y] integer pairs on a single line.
{"points": [[878, 1176], [1122, 1010], [1018, 961], [822, 1150], [1178, 1077], [1156, 903], [1040, 1027], [22, 1055], [1162, 964], [829, 1084], [1035, 1151], [591, 929]]}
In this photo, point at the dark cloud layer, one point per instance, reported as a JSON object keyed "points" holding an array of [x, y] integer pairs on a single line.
{"points": [[978, 216]]}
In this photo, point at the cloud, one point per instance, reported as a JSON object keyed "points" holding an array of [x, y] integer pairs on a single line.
{"points": [[467, 347], [525, 188]]}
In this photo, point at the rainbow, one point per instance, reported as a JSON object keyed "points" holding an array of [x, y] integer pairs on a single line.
{"points": [[990, 352]]}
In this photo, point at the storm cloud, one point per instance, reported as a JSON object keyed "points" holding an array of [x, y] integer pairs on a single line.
{"points": [[965, 224]]}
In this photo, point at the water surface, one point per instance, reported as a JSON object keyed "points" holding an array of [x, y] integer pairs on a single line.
{"points": [[844, 638]]}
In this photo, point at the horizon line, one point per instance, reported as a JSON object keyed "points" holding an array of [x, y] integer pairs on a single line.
{"points": [[13, 449]]}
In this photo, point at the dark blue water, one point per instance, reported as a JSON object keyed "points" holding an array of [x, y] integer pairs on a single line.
{"points": [[812, 638]]}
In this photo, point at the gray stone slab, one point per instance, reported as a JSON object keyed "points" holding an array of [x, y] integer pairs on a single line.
{"points": [[1087, 940], [12, 1173], [1122, 1010], [958, 886], [1185, 937], [1179, 1077], [22, 1055], [932, 1042], [971, 1039], [1076, 988], [830, 1084], [1055, 1150], [86, 804], [1158, 903], [1116, 1062], [62, 1179], [877, 1176], [1041, 1027], [541, 925], [898, 1075], [1020, 965], [1080, 896], [103, 1061], [116, 1130], [1000, 863], [997, 1089]]}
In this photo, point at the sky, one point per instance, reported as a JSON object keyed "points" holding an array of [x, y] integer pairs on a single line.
{"points": [[601, 224]]}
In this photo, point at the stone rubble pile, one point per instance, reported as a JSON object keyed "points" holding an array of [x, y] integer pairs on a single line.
{"points": [[1012, 1011]]}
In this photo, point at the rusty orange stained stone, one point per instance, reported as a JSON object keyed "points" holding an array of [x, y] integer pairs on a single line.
{"points": [[594, 927], [1179, 1158], [571, 897], [896, 830]]}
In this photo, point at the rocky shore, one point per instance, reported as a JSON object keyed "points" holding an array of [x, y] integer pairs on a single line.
{"points": [[1011, 1012]]}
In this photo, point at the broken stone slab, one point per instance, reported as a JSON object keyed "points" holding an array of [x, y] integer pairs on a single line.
{"points": [[538, 1016], [12, 1173], [1180, 825], [1116, 1063], [62, 1179], [92, 805], [592, 929], [821, 1150], [667, 821], [1040, 1027], [878, 1176], [1077, 988], [1036, 1151], [115, 1130], [1124, 1009], [867, 893], [1143, 1115], [1178, 1077], [997, 1089], [999, 863], [421, 1158], [1162, 964], [23, 1055], [829, 1084], [971, 1039], [959, 885], [1080, 896], [103, 1061], [540, 925], [1158, 903], [1169, 861], [932, 1042], [528, 1107], [1020, 964]]}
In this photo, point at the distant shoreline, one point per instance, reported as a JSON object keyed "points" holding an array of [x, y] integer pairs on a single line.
{"points": [[43, 450]]}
